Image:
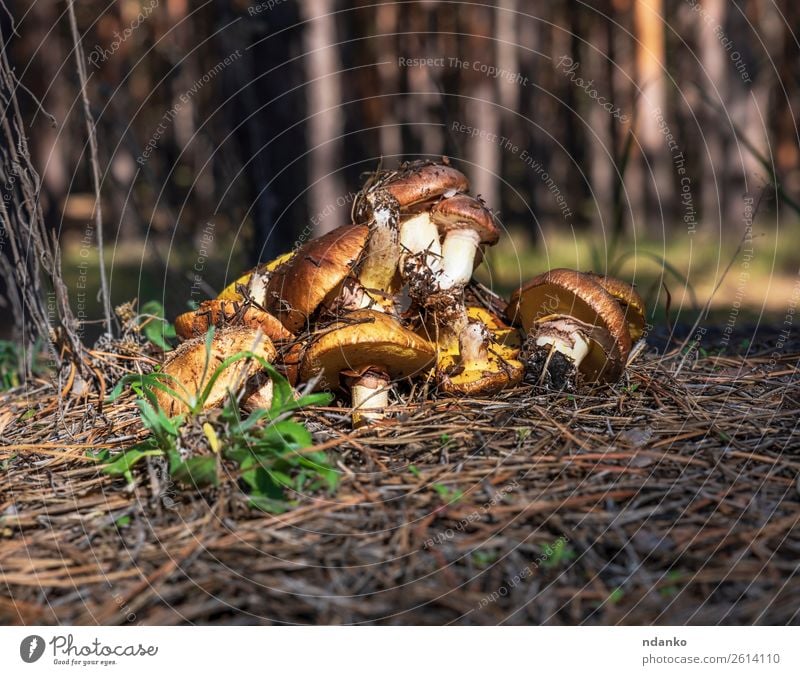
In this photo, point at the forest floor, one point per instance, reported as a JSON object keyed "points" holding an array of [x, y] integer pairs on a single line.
{"points": [[669, 498]]}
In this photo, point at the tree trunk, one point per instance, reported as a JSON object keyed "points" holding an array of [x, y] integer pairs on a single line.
{"points": [[656, 199], [325, 120]]}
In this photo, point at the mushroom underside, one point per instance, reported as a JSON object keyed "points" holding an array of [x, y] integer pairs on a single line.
{"points": [[563, 352]]}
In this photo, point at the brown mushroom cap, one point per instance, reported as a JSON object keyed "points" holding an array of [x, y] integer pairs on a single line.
{"points": [[187, 365], [224, 312], [631, 302], [298, 286], [365, 339], [465, 212], [420, 183], [568, 293]]}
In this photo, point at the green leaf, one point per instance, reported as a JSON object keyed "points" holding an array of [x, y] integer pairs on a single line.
{"points": [[274, 506], [155, 327], [282, 479], [163, 428], [290, 433], [197, 471], [123, 464], [239, 356], [142, 384]]}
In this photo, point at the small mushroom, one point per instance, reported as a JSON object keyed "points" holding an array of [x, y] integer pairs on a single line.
{"points": [[301, 284], [191, 366], [487, 358], [629, 299], [417, 193], [220, 313], [369, 349], [576, 329], [466, 225]]}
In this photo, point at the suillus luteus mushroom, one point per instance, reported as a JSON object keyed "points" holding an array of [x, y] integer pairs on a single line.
{"points": [[372, 303], [364, 352], [576, 331]]}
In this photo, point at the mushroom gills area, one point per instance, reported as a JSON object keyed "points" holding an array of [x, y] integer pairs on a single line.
{"points": [[555, 352]]}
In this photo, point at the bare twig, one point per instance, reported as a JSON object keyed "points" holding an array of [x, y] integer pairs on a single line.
{"points": [[27, 249]]}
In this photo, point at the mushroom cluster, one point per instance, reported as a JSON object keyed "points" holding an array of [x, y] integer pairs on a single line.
{"points": [[390, 299]]}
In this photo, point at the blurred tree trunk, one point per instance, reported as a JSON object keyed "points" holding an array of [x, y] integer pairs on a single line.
{"points": [[653, 199], [751, 101], [325, 119], [784, 106], [716, 131], [423, 99], [480, 107], [571, 165], [264, 107], [602, 133], [508, 95], [524, 133], [391, 143]]}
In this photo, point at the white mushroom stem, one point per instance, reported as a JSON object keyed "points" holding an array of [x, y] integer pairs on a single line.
{"points": [[419, 234], [370, 398], [474, 344], [572, 345], [459, 249]]}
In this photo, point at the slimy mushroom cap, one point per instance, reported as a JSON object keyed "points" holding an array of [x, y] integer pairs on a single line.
{"points": [[629, 299], [465, 212], [418, 182], [362, 340], [299, 285]]}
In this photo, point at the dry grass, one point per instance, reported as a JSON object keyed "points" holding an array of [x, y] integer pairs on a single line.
{"points": [[675, 493]]}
